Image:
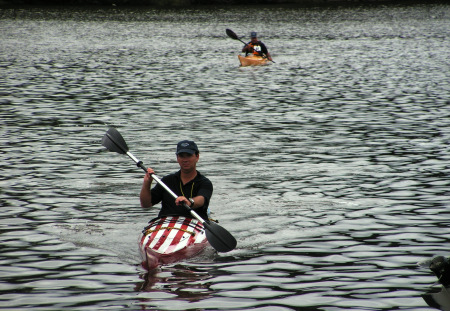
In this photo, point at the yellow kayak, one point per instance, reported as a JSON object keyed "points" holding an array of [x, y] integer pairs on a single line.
{"points": [[252, 60]]}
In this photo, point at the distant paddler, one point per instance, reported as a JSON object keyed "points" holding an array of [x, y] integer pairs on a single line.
{"points": [[256, 47]]}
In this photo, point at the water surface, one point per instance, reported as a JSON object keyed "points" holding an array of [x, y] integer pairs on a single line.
{"points": [[330, 167]]}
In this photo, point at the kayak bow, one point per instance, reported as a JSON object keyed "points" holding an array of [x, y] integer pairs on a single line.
{"points": [[252, 60], [170, 239]]}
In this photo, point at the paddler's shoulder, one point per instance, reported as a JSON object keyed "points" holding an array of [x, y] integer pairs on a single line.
{"points": [[200, 177]]}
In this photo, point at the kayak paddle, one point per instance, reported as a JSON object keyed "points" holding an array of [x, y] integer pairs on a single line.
{"points": [[219, 238], [234, 36]]}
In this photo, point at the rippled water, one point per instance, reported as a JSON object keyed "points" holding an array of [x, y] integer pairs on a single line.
{"points": [[330, 167]]}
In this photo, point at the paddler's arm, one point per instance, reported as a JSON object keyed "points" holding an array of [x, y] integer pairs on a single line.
{"points": [[247, 48], [146, 194], [265, 51]]}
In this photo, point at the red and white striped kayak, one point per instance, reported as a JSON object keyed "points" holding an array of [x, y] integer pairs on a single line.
{"points": [[169, 239]]}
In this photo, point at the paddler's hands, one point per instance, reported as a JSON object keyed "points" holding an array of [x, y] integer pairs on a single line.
{"points": [[148, 176], [248, 48], [180, 201]]}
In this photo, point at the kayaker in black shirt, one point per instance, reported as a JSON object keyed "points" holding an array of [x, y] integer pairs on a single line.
{"points": [[192, 188], [256, 47]]}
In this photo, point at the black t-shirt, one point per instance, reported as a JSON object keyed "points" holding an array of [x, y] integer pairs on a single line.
{"points": [[258, 47], [200, 185]]}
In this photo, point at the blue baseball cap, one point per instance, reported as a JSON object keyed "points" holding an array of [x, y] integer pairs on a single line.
{"points": [[253, 34], [187, 146]]}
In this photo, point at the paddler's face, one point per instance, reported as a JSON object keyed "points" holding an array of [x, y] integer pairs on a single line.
{"points": [[187, 161], [254, 39]]}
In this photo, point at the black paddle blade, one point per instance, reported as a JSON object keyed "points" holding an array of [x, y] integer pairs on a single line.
{"points": [[231, 34], [219, 238], [113, 141]]}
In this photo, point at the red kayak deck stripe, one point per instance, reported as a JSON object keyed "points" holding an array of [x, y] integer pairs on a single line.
{"points": [[163, 234], [155, 232], [178, 236]]}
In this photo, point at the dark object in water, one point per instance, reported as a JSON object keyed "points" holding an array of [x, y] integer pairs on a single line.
{"points": [[439, 300], [441, 268]]}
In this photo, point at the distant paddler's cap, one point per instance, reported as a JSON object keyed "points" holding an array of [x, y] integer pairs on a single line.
{"points": [[187, 146], [253, 34]]}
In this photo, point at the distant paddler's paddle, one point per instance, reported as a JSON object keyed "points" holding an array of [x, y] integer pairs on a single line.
{"points": [[234, 36], [219, 238]]}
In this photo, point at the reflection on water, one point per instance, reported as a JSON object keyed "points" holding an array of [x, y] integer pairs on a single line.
{"points": [[330, 167], [178, 281]]}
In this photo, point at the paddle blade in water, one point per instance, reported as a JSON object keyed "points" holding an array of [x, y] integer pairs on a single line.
{"points": [[219, 238], [231, 34], [113, 141]]}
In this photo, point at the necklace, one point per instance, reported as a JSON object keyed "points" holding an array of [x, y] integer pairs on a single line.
{"points": [[192, 189]]}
